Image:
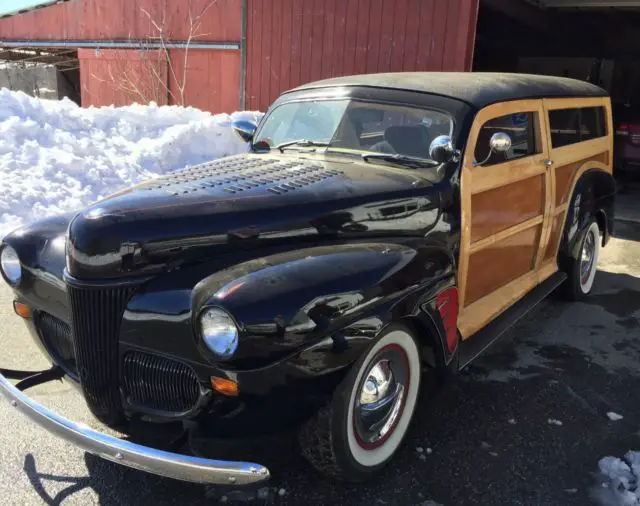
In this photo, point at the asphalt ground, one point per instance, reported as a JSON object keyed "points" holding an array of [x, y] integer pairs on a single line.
{"points": [[525, 425]]}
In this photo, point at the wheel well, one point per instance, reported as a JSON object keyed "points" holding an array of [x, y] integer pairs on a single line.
{"points": [[603, 186], [601, 218], [430, 346]]}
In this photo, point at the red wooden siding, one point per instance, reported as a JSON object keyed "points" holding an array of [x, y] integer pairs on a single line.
{"points": [[122, 76], [125, 19], [291, 42]]}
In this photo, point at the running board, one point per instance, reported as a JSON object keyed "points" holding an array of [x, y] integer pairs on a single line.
{"points": [[478, 343]]}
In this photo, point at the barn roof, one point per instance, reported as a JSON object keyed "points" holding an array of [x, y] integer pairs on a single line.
{"points": [[476, 88]]}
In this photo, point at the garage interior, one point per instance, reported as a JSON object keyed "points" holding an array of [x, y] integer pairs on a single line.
{"points": [[592, 40]]}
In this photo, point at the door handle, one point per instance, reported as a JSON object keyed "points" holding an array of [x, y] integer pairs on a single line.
{"points": [[548, 163]]}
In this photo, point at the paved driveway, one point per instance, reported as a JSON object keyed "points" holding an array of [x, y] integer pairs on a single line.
{"points": [[525, 425]]}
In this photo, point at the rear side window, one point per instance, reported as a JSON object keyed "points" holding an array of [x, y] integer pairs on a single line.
{"points": [[569, 126], [520, 127]]}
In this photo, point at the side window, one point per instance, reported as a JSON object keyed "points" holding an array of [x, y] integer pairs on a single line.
{"points": [[592, 123], [521, 127], [569, 126]]}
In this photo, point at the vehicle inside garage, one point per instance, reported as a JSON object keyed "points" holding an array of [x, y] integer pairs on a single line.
{"points": [[592, 40]]}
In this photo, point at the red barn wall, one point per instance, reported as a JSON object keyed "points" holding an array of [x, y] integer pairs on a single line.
{"points": [[125, 19], [123, 76], [291, 42]]}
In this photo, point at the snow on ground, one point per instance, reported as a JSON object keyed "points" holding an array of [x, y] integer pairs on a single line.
{"points": [[618, 481], [57, 157]]}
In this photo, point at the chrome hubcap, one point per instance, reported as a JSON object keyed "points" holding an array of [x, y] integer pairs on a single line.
{"points": [[588, 256], [379, 402]]}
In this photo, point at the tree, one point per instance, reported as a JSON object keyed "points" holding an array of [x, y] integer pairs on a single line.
{"points": [[153, 73]]}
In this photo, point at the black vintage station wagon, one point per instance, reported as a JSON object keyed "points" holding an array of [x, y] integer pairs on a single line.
{"points": [[380, 225]]}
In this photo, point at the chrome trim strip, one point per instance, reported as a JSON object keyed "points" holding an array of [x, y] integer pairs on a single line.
{"points": [[162, 463]]}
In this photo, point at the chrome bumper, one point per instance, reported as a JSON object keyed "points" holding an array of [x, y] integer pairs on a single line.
{"points": [[162, 463]]}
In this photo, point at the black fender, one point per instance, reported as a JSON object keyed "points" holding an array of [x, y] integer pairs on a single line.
{"points": [[593, 197], [328, 300]]}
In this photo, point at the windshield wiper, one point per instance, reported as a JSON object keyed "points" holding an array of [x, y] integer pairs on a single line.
{"points": [[404, 160], [303, 143]]}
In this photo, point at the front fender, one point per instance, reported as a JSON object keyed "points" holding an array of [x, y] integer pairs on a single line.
{"points": [[290, 301]]}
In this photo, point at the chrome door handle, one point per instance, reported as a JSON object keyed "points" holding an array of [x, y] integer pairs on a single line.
{"points": [[548, 163]]}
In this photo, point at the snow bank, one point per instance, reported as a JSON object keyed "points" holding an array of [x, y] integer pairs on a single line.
{"points": [[57, 157], [619, 481]]}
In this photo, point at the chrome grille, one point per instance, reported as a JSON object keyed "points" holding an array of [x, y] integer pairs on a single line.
{"points": [[158, 383]]}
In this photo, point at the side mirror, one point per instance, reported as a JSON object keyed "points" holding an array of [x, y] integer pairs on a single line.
{"points": [[245, 129], [499, 142], [441, 150]]}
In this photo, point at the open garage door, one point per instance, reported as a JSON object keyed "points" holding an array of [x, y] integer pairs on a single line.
{"points": [[592, 40]]}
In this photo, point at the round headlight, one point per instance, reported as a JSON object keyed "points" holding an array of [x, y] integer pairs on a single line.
{"points": [[10, 264], [219, 332]]}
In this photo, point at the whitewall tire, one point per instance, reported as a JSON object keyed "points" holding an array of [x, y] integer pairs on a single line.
{"points": [[363, 426], [581, 272]]}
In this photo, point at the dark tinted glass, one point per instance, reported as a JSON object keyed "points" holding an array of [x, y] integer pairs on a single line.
{"points": [[520, 127], [569, 126], [592, 123], [564, 127]]}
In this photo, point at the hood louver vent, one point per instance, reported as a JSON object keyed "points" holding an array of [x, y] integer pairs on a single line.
{"points": [[235, 175]]}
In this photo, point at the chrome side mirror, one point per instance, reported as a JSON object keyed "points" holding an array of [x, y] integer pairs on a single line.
{"points": [[499, 142], [441, 150], [245, 129]]}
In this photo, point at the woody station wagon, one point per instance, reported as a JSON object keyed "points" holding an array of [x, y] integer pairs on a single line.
{"points": [[379, 225]]}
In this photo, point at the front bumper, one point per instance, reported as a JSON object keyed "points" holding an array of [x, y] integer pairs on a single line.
{"points": [[162, 463]]}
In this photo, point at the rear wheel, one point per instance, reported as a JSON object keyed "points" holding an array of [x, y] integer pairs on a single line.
{"points": [[581, 271], [363, 426]]}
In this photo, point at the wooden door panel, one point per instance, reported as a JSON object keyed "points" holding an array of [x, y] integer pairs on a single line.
{"points": [[504, 207], [554, 238], [505, 221], [502, 262]]}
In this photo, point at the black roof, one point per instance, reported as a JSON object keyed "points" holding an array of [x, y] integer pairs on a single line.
{"points": [[477, 88]]}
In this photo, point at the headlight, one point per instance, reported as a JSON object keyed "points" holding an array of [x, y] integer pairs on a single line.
{"points": [[219, 332], [10, 264]]}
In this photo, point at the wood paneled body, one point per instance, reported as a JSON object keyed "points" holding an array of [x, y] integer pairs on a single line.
{"points": [[501, 262], [565, 176], [554, 238], [514, 213], [501, 208]]}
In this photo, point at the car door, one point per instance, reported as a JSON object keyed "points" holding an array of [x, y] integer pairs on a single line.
{"points": [[580, 137], [506, 212]]}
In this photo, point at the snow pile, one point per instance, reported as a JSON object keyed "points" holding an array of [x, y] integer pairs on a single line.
{"points": [[57, 157], [619, 481]]}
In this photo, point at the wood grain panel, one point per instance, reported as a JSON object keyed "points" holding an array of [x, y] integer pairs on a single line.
{"points": [[483, 311], [501, 208], [500, 263], [554, 238], [565, 175]]}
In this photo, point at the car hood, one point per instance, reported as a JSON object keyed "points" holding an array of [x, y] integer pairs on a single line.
{"points": [[242, 202]]}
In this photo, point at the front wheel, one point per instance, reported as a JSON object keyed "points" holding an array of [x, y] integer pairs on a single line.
{"points": [[582, 270], [363, 426]]}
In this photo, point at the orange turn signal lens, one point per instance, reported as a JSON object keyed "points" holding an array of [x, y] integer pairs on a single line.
{"points": [[224, 386], [22, 309]]}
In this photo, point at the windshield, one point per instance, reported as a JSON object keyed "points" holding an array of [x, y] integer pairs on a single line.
{"points": [[351, 125]]}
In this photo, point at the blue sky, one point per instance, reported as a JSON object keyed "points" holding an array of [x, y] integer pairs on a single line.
{"points": [[13, 6]]}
